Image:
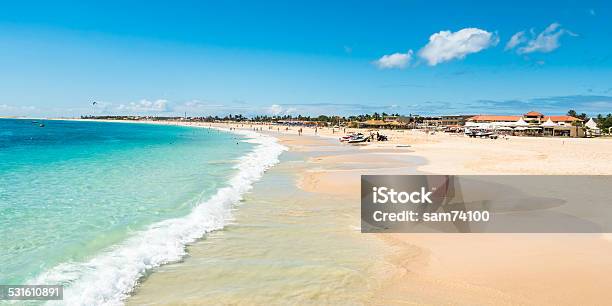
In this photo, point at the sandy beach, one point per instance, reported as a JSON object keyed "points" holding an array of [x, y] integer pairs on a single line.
{"points": [[471, 269], [476, 268], [430, 269]]}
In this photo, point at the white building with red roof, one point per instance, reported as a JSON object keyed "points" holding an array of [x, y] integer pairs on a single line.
{"points": [[531, 124], [533, 118]]}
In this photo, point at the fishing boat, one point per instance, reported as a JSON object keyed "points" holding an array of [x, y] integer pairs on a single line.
{"points": [[358, 138], [348, 137], [345, 138]]}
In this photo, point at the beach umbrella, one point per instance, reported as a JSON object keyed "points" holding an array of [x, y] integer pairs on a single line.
{"points": [[521, 122], [591, 124], [548, 123]]}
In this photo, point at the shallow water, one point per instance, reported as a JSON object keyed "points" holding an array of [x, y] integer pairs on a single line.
{"points": [[286, 246], [76, 199]]}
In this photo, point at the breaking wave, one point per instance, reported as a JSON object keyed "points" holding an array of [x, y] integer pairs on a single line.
{"points": [[108, 278]]}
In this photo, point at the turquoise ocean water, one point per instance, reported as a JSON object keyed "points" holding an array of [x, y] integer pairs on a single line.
{"points": [[81, 196]]}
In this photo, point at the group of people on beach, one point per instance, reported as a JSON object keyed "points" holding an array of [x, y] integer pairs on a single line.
{"points": [[373, 135], [301, 131]]}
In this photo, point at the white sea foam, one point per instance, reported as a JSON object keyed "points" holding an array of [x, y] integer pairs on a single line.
{"points": [[108, 278]]}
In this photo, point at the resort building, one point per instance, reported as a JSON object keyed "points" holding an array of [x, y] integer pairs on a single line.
{"points": [[492, 118], [529, 124], [532, 118], [388, 122], [391, 119], [458, 120], [429, 121], [447, 121]]}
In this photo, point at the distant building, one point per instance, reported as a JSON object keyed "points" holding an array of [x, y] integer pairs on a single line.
{"points": [[530, 124], [442, 121], [459, 120], [532, 118], [430, 121], [388, 122], [391, 119], [492, 118]]}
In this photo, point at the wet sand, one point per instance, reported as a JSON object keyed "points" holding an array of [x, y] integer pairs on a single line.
{"points": [[286, 246]]}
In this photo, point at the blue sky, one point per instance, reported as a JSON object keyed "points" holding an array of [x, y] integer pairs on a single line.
{"points": [[312, 57]]}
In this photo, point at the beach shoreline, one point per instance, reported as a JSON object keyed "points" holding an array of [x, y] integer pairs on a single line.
{"points": [[109, 275], [464, 269]]}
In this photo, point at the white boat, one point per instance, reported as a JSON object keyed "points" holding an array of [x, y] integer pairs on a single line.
{"points": [[345, 138], [358, 138], [483, 134], [348, 137]]}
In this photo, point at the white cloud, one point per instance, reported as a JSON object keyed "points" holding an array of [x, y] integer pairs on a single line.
{"points": [[198, 105], [446, 45], [144, 105], [278, 110], [12, 107], [516, 39], [544, 42], [18, 110], [395, 60], [275, 109]]}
